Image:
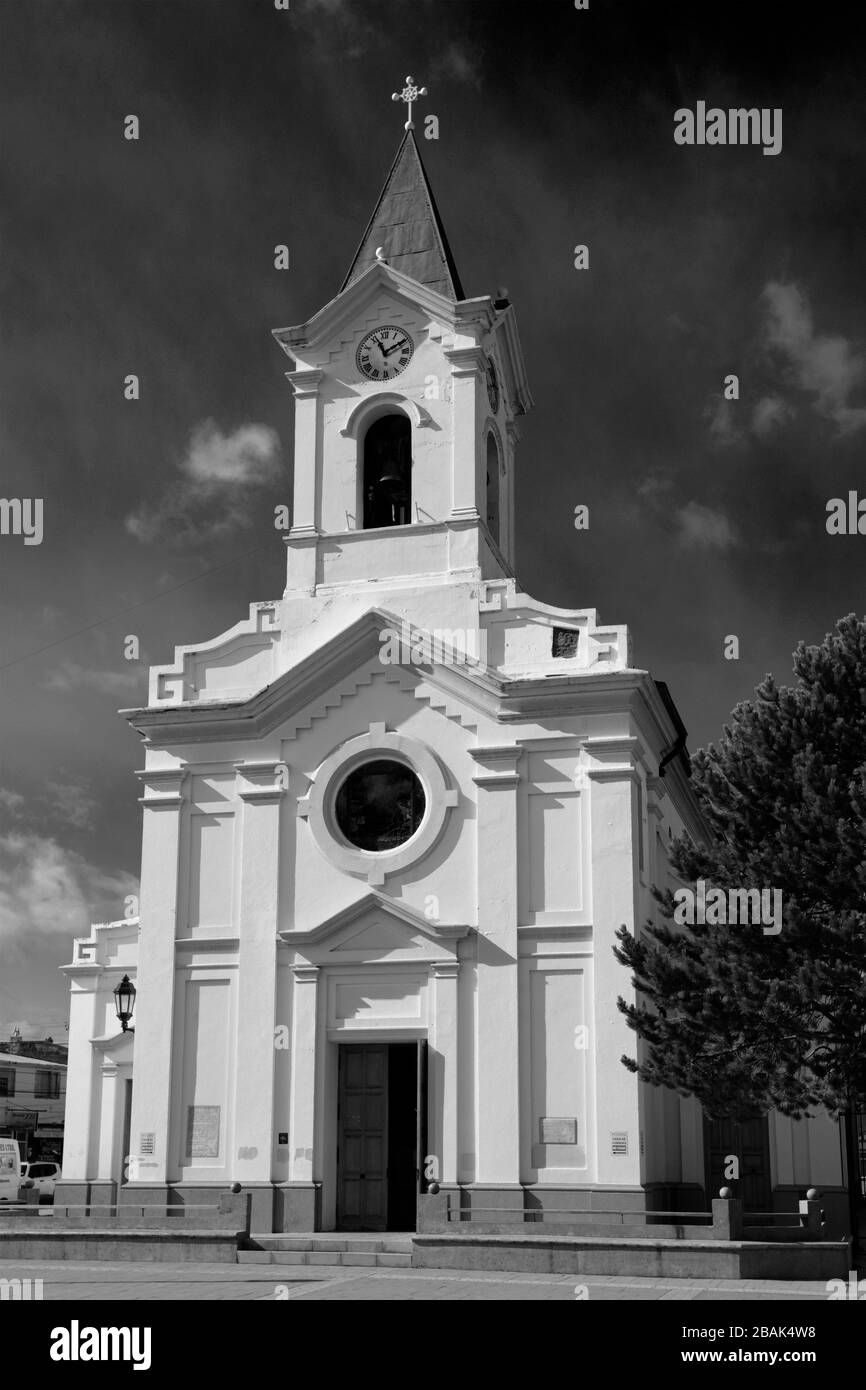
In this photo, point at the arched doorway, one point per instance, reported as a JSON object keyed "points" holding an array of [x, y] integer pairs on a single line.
{"points": [[388, 472]]}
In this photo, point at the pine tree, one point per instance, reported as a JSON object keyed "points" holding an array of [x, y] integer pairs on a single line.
{"points": [[745, 1021]]}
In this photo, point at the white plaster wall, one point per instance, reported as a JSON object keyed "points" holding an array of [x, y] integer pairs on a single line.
{"points": [[341, 391], [206, 1033], [311, 887]]}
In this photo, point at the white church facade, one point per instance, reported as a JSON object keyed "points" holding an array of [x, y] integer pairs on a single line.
{"points": [[391, 823]]}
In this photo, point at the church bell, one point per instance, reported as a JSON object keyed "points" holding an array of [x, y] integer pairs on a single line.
{"points": [[391, 478]]}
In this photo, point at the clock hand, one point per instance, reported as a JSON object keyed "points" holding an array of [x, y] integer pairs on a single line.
{"points": [[386, 352]]}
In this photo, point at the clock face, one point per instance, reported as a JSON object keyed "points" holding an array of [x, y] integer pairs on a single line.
{"points": [[384, 353], [492, 387]]}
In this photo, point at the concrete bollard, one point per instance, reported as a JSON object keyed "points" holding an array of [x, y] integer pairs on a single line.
{"points": [[432, 1212], [811, 1215], [727, 1216], [237, 1207]]}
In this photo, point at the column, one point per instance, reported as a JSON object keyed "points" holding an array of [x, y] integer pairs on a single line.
{"points": [[444, 1041], [149, 1137], [261, 788], [497, 1064]]}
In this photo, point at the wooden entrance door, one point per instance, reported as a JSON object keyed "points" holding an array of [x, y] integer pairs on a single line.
{"points": [[362, 1152], [748, 1141]]}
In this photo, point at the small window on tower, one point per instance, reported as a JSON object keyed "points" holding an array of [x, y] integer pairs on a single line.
{"points": [[388, 472], [565, 641]]}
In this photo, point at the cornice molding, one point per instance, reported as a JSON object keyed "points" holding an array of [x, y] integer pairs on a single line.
{"points": [[165, 788], [305, 382], [207, 943], [259, 778], [497, 765], [612, 774], [445, 969], [466, 361]]}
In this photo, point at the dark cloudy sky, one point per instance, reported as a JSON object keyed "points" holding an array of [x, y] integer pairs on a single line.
{"points": [[261, 127]]}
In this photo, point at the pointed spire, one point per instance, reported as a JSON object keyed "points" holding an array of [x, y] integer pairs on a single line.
{"points": [[407, 228]]}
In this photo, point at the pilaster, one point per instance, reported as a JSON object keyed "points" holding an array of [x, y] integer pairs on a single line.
{"points": [[467, 368], [302, 1107], [78, 1125], [497, 1064], [613, 880], [163, 802], [444, 1041], [108, 1121], [305, 385], [261, 788]]}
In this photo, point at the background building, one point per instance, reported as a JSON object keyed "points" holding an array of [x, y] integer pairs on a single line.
{"points": [[32, 1103]]}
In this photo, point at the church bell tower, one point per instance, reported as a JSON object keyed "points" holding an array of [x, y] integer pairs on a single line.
{"points": [[407, 395]]}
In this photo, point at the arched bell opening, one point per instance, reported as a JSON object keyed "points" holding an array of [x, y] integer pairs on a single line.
{"points": [[388, 472]]}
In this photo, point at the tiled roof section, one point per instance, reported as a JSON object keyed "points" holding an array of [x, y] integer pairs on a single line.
{"points": [[407, 224]]}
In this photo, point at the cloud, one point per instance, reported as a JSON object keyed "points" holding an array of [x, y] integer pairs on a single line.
{"points": [[72, 802], [341, 25], [826, 367], [214, 494], [722, 417], [47, 892], [769, 414], [701, 526], [69, 675], [654, 486], [457, 64], [66, 803]]}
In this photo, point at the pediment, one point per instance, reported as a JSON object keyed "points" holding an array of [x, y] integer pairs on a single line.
{"points": [[373, 928], [379, 935], [459, 689], [304, 339]]}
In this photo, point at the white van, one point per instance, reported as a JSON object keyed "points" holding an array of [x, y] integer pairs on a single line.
{"points": [[10, 1170]]}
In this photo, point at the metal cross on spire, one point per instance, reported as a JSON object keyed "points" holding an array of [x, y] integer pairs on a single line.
{"points": [[410, 95]]}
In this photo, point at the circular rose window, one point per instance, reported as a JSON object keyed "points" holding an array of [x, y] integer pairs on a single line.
{"points": [[380, 805]]}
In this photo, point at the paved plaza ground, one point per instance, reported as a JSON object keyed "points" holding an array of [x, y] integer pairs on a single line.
{"points": [[142, 1281]]}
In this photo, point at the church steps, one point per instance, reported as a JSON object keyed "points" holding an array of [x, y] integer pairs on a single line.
{"points": [[350, 1248], [355, 1258], [355, 1243]]}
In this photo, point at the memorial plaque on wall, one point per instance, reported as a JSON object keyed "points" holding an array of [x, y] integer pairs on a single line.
{"points": [[203, 1131], [559, 1131]]}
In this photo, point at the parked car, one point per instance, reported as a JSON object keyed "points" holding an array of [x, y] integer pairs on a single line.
{"points": [[43, 1175]]}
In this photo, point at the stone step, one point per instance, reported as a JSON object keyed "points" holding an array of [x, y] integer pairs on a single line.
{"points": [[360, 1259], [327, 1243]]}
